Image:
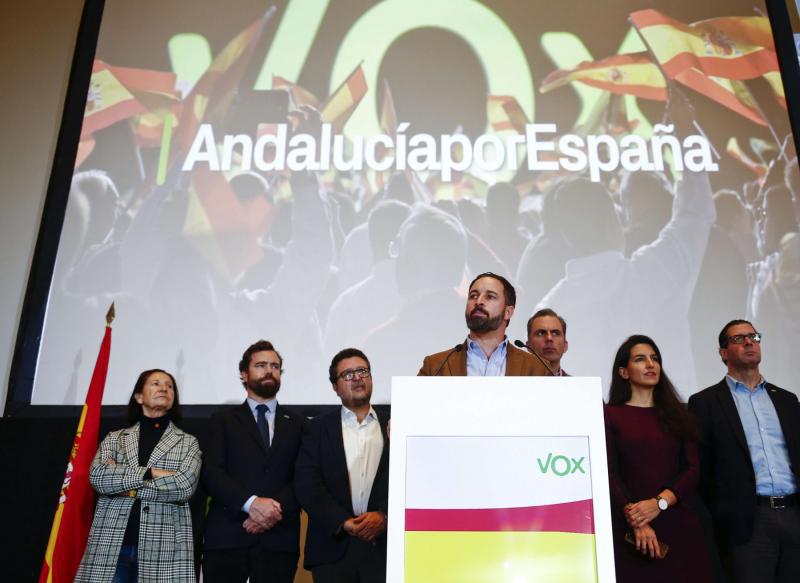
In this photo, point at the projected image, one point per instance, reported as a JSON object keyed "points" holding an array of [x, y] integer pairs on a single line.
{"points": [[326, 174], [524, 513]]}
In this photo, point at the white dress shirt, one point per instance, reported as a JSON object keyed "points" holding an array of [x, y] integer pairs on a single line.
{"points": [[363, 446]]}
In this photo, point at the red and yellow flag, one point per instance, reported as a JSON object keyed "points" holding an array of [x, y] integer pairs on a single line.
{"points": [[155, 90], [627, 74], [731, 47], [731, 93], [299, 95], [223, 228], [343, 102], [212, 95], [107, 102], [776, 83], [73, 517], [388, 112]]}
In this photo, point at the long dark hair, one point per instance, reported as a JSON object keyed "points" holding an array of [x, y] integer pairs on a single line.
{"points": [[135, 409], [669, 411]]}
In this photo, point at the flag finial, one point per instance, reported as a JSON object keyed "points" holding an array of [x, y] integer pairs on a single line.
{"points": [[110, 315]]}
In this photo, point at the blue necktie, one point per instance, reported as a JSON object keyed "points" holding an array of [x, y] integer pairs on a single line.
{"points": [[263, 426]]}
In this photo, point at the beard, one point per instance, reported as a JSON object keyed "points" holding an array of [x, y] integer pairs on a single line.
{"points": [[483, 323], [265, 388]]}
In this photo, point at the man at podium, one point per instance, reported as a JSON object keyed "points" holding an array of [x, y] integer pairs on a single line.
{"points": [[486, 350]]}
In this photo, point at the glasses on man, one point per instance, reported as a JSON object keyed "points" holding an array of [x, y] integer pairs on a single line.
{"points": [[739, 338], [349, 375]]}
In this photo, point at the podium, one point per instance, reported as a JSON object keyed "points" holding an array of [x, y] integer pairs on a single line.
{"points": [[498, 479]]}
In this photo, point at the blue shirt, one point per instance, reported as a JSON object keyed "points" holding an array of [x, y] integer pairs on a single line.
{"points": [[479, 365], [765, 439]]}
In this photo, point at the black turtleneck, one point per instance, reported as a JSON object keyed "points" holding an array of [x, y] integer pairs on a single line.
{"points": [[151, 429]]}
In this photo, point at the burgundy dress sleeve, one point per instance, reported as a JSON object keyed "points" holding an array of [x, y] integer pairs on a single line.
{"points": [[687, 479], [617, 489]]}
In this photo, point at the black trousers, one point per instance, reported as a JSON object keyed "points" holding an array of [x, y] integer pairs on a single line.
{"points": [[362, 563], [259, 564], [772, 555]]}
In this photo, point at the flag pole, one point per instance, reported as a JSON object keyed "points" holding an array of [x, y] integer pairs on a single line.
{"points": [[671, 84]]}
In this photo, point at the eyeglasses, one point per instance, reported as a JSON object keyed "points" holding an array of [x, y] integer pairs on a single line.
{"points": [[349, 375], [739, 338]]}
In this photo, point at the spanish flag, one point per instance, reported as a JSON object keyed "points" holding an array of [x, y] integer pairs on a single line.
{"points": [[388, 112], [524, 512], [107, 102], [213, 93], [221, 226], [73, 518], [776, 83], [343, 102], [627, 74], [299, 95], [733, 47], [730, 93], [155, 90]]}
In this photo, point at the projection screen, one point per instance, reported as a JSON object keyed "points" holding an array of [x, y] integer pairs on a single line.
{"points": [[325, 174]]}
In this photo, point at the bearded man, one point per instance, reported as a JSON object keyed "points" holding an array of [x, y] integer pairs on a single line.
{"points": [[253, 525], [486, 350]]}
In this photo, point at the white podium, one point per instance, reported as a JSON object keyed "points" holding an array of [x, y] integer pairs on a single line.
{"points": [[498, 479]]}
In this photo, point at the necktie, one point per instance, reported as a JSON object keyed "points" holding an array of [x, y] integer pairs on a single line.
{"points": [[263, 426]]}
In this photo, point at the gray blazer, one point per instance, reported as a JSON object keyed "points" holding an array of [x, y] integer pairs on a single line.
{"points": [[165, 536]]}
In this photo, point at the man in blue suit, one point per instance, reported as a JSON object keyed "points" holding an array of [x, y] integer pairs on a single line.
{"points": [[342, 480]]}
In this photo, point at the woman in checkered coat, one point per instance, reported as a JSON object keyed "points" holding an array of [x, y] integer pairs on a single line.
{"points": [[144, 476]]}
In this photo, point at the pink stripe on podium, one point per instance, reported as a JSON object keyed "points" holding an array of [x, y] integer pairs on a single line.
{"points": [[575, 517]]}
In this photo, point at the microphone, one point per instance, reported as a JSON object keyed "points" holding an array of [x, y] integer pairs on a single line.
{"points": [[456, 348], [520, 344]]}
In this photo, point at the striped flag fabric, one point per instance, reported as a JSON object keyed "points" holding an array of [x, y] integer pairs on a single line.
{"points": [[732, 47], [343, 102], [213, 93], [73, 517], [730, 93], [626, 74], [299, 95], [223, 228], [524, 512], [388, 112], [776, 83], [107, 102], [155, 90]]}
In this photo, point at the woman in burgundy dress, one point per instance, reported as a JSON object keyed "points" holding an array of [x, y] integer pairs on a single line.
{"points": [[653, 472]]}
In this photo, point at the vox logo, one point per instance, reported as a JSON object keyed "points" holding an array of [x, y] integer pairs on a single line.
{"points": [[560, 465]]}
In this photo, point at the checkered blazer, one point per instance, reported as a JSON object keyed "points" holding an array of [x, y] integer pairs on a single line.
{"points": [[165, 533]]}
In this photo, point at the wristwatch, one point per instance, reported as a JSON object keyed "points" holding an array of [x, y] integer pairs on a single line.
{"points": [[662, 503]]}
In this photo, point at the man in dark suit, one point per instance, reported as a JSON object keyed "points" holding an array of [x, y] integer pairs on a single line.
{"points": [[547, 336], [342, 480], [253, 524], [750, 463], [486, 351]]}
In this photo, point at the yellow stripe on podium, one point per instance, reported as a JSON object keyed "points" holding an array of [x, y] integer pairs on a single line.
{"points": [[512, 557]]}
